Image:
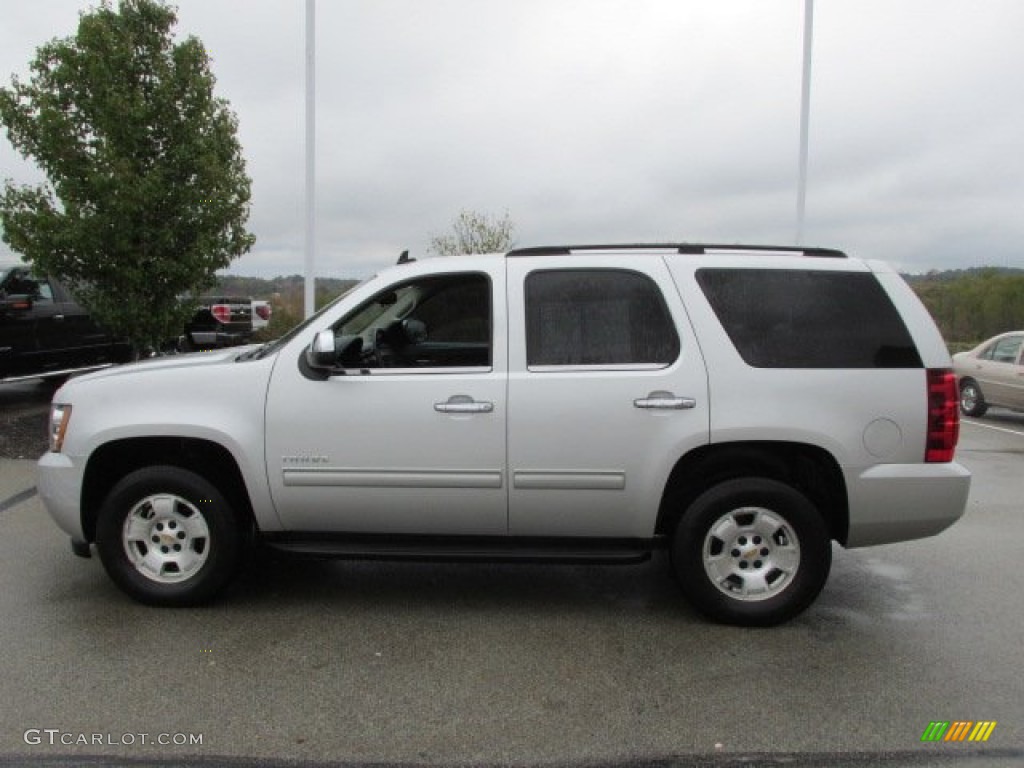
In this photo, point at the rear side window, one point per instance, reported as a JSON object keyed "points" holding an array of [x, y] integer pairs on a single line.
{"points": [[598, 317], [1004, 351], [809, 319], [37, 288]]}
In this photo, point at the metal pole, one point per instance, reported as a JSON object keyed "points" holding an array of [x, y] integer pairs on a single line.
{"points": [[805, 116], [310, 297]]}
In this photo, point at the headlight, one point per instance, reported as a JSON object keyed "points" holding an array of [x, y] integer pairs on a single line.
{"points": [[60, 415]]}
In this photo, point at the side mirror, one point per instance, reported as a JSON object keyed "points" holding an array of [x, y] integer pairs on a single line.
{"points": [[321, 353]]}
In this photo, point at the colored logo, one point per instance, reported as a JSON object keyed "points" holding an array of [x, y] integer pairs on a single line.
{"points": [[958, 730]]}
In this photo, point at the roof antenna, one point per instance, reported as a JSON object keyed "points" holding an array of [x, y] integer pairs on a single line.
{"points": [[404, 258]]}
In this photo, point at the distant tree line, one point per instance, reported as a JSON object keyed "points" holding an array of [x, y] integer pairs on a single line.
{"points": [[265, 288], [972, 305]]}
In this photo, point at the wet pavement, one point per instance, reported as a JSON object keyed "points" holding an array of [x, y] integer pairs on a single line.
{"points": [[497, 665], [24, 407]]}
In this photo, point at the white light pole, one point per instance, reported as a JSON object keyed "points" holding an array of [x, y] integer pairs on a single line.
{"points": [[805, 116], [310, 298]]}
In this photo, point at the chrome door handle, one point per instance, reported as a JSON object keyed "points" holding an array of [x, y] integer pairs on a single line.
{"points": [[665, 401], [58, 317], [463, 404], [463, 407]]}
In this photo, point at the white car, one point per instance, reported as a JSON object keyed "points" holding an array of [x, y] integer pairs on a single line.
{"points": [[992, 374], [568, 403]]}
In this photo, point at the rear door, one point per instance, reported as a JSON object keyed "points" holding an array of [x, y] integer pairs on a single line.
{"points": [[607, 389]]}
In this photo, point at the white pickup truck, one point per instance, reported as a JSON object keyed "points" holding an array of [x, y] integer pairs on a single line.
{"points": [[741, 406]]}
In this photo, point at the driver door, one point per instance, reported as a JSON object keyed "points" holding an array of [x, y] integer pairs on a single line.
{"points": [[407, 436]]}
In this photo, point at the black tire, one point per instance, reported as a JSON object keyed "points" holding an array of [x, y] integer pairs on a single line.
{"points": [[767, 550], [972, 401], [186, 543]]}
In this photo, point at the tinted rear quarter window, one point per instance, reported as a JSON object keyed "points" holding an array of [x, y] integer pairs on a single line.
{"points": [[809, 319], [580, 317]]}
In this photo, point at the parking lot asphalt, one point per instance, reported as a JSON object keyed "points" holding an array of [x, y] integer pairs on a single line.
{"points": [[522, 665], [23, 410], [17, 483]]}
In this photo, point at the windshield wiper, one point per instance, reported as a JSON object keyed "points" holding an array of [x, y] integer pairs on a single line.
{"points": [[255, 354]]}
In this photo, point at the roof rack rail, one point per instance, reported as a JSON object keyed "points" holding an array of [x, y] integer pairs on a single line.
{"points": [[828, 253], [686, 248]]}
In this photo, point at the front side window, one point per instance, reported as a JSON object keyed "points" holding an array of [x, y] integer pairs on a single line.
{"points": [[437, 321], [599, 317]]}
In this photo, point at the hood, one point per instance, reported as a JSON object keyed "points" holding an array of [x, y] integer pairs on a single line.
{"points": [[167, 362]]}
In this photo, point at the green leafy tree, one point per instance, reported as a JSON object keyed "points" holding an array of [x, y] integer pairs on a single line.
{"points": [[474, 232], [148, 194]]}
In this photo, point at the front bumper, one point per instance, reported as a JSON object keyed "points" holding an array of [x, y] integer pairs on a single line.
{"points": [[899, 502], [59, 481]]}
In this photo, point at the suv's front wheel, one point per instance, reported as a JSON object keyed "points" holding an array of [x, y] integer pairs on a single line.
{"points": [[167, 536], [751, 551]]}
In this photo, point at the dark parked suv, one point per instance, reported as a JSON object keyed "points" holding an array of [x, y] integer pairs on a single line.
{"points": [[45, 333]]}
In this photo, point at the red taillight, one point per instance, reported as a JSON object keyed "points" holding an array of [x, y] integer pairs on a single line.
{"points": [[221, 313], [943, 416], [263, 310]]}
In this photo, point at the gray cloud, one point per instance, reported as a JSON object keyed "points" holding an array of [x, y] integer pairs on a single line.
{"points": [[614, 121]]}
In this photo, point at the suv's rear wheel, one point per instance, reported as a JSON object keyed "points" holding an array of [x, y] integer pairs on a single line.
{"points": [[751, 551], [167, 536], [972, 402]]}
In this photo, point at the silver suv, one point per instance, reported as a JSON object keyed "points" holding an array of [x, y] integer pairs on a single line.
{"points": [[570, 403]]}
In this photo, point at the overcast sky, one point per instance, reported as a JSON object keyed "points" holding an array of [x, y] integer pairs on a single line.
{"points": [[605, 121]]}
